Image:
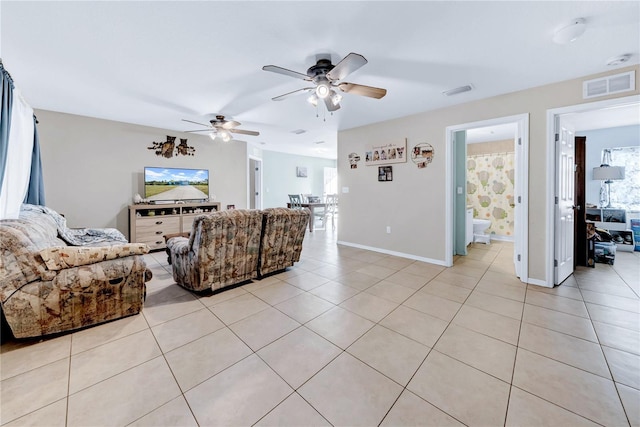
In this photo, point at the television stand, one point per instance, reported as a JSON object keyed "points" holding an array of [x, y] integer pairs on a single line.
{"points": [[148, 223]]}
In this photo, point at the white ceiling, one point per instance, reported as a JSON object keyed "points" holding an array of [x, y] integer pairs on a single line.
{"points": [[157, 62]]}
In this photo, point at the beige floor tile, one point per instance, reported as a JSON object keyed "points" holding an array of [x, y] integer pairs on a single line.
{"points": [[337, 393], [391, 291], [395, 262], [631, 401], [297, 356], [525, 409], [262, 283], [309, 264], [221, 295], [445, 290], [330, 272], [390, 353], [102, 334], [471, 262], [503, 290], [177, 332], [124, 398], [357, 280], [369, 306], [167, 310], [289, 273], [173, 413], [408, 280], [614, 316], [614, 301], [461, 391], [560, 290], [52, 415], [561, 322], [617, 337], [377, 271], [307, 280], [573, 351], [239, 395], [34, 389], [238, 308], [424, 269], [410, 411], [105, 361], [368, 256], [625, 367], [557, 303], [416, 325], [263, 328], [487, 354], [586, 394], [494, 325], [340, 326], [468, 271], [334, 292], [495, 304], [304, 307], [603, 286], [456, 279], [441, 308], [199, 360], [20, 357], [277, 293], [294, 411]]}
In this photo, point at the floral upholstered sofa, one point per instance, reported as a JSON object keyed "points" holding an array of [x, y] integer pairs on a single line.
{"points": [[55, 279], [229, 247]]}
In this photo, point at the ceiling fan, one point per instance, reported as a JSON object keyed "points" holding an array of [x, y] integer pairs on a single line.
{"points": [[326, 77], [222, 128]]}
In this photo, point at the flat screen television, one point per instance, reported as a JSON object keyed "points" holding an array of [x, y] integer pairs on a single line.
{"points": [[167, 184]]}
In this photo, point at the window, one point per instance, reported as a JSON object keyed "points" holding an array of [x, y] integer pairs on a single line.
{"points": [[626, 193], [330, 181]]}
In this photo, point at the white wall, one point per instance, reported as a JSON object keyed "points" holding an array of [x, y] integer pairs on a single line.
{"points": [[92, 168], [279, 176], [597, 140], [413, 205]]}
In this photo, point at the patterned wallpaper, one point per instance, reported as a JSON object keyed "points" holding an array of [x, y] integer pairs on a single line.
{"points": [[490, 190]]}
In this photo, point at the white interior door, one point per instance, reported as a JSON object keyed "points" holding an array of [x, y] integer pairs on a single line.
{"points": [[255, 183], [564, 200]]}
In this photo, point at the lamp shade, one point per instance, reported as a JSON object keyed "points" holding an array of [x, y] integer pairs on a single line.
{"points": [[607, 173]]}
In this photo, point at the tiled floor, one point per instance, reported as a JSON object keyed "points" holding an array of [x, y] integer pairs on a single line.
{"points": [[349, 337]]}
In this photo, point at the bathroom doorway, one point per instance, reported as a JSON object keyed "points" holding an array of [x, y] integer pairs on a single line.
{"points": [[490, 175]]}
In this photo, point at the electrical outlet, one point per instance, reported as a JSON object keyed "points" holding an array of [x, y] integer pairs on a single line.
{"points": [[388, 229]]}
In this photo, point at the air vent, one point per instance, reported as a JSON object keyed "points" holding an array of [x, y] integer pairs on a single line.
{"points": [[319, 142], [457, 90], [298, 131], [608, 85]]}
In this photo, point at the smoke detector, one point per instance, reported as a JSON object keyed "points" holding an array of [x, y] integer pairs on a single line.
{"points": [[618, 60]]}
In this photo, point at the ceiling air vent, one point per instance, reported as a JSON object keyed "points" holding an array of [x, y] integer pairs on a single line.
{"points": [[608, 85], [457, 90], [298, 131]]}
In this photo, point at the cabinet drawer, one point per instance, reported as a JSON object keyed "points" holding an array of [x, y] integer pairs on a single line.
{"points": [[152, 230]]}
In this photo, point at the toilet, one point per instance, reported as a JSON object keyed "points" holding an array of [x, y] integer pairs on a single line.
{"points": [[479, 227]]}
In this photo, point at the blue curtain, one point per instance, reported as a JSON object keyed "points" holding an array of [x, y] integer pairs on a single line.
{"points": [[35, 192], [5, 117]]}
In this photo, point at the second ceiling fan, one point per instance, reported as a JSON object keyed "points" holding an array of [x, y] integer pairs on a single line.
{"points": [[326, 78], [219, 127]]}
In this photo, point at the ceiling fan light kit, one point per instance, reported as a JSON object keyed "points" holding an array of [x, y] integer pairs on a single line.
{"points": [[326, 78], [571, 32]]}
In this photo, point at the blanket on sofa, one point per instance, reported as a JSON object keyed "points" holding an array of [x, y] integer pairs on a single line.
{"points": [[74, 236]]}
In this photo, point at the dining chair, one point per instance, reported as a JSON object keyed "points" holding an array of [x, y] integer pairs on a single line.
{"points": [[305, 198], [296, 201], [331, 202]]}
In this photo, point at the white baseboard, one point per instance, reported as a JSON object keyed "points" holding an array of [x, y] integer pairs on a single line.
{"points": [[394, 253]]}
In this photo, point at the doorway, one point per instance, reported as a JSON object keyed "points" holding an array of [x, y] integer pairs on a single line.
{"points": [[455, 185], [254, 181], [557, 237]]}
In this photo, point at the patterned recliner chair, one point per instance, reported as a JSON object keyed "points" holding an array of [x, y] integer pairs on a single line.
{"points": [[283, 231], [48, 285], [222, 250]]}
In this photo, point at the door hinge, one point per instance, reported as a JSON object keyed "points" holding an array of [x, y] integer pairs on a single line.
{"points": [[555, 262], [519, 141], [556, 200], [519, 199], [519, 257], [557, 137]]}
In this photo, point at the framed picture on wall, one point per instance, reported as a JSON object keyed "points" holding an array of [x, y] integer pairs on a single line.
{"points": [[385, 173], [391, 152], [301, 171]]}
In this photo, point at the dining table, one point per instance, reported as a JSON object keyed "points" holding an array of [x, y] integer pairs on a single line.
{"points": [[312, 207]]}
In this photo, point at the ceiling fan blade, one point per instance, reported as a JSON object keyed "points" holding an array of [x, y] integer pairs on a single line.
{"points": [[348, 65], [330, 105], [201, 124], [230, 124], [244, 132], [201, 130], [356, 89], [290, 73], [295, 92]]}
